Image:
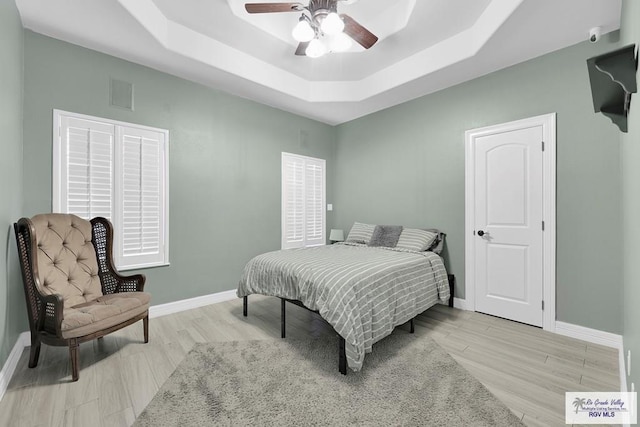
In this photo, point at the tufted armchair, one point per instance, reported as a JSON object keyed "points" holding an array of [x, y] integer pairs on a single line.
{"points": [[73, 292]]}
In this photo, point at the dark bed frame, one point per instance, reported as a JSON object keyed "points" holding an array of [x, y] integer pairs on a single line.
{"points": [[342, 356]]}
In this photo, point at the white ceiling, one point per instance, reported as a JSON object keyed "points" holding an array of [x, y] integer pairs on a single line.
{"points": [[425, 45]]}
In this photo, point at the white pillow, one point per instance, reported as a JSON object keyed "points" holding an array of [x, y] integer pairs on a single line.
{"points": [[416, 240], [360, 233]]}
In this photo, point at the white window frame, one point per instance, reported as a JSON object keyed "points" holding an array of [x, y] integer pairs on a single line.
{"points": [[119, 129], [306, 241]]}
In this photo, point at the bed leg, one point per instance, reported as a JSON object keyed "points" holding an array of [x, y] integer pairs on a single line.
{"points": [[413, 327], [283, 314], [245, 303], [342, 356], [452, 283]]}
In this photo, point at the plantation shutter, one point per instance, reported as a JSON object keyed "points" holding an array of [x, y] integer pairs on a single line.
{"points": [[314, 202], [118, 171], [303, 200], [86, 184], [140, 181], [293, 202]]}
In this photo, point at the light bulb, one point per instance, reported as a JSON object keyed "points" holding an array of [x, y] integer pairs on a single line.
{"points": [[315, 49], [332, 24], [340, 43], [303, 32]]}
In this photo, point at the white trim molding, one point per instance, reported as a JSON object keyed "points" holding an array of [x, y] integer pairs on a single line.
{"points": [[188, 304], [594, 336], [461, 304], [11, 364], [548, 123]]}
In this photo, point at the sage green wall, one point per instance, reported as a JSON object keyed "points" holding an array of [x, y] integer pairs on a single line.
{"points": [[630, 155], [12, 317], [405, 165], [224, 158]]}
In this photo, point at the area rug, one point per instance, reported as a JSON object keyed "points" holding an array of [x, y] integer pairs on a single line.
{"points": [[407, 380]]}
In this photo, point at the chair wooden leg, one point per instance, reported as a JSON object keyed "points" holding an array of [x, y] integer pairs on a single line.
{"points": [[34, 354], [74, 355], [145, 325]]}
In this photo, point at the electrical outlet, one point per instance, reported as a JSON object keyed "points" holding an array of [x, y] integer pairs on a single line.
{"points": [[633, 387], [628, 362], [330, 207]]}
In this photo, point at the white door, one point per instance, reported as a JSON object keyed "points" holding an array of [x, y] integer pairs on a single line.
{"points": [[508, 222]]}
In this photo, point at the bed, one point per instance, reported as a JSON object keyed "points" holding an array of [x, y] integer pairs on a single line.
{"points": [[362, 291]]}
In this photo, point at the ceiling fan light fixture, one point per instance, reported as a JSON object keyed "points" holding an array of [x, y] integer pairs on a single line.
{"points": [[320, 29], [315, 49], [303, 32], [332, 24], [340, 43]]}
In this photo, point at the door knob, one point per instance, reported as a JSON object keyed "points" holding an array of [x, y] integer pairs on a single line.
{"points": [[480, 233]]}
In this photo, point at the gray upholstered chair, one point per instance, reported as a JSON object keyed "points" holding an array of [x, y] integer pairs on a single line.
{"points": [[74, 294]]}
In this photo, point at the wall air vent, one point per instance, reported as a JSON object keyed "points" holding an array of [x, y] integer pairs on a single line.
{"points": [[121, 94]]}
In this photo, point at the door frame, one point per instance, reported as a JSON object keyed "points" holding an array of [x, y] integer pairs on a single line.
{"points": [[548, 123]]}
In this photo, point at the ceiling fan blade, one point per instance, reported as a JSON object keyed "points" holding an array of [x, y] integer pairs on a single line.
{"points": [[273, 7], [357, 32], [302, 49]]}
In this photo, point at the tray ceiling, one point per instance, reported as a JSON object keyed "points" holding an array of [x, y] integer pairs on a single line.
{"points": [[424, 46]]}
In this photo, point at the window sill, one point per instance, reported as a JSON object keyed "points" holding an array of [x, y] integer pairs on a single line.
{"points": [[142, 266]]}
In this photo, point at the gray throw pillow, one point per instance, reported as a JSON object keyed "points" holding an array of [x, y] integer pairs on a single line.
{"points": [[385, 235]]}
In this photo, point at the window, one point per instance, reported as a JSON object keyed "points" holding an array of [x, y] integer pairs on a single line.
{"points": [[119, 171], [303, 201]]}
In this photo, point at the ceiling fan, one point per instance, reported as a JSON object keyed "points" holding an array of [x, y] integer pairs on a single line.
{"points": [[320, 28]]}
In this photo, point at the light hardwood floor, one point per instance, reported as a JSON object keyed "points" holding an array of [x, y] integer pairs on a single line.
{"points": [[526, 368]]}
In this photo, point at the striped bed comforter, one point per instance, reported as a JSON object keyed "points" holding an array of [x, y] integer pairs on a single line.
{"points": [[363, 292]]}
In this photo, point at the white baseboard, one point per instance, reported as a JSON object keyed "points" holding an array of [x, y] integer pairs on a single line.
{"points": [[590, 335], [12, 362], [188, 304], [460, 303], [622, 367]]}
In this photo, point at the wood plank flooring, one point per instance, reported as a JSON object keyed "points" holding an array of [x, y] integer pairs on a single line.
{"points": [[526, 368]]}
